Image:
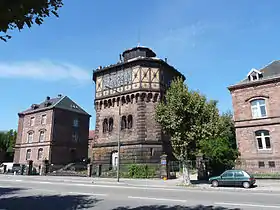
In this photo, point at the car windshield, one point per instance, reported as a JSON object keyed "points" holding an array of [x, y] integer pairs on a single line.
{"points": [[246, 174]]}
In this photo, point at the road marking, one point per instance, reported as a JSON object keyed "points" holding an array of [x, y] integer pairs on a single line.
{"points": [[249, 205], [18, 180], [77, 193], [157, 199], [44, 182], [90, 194]]}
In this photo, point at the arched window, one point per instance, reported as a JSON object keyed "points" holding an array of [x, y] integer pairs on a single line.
{"points": [[28, 154], [129, 121], [263, 139], [111, 124], [42, 136], [258, 108], [40, 154], [105, 125], [114, 159], [123, 122], [30, 136]]}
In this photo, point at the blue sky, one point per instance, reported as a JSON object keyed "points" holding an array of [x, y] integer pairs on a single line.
{"points": [[214, 43]]}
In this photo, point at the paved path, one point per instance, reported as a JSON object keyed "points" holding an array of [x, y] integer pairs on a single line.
{"points": [[63, 193]]}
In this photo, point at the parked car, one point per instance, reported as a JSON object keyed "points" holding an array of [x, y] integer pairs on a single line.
{"points": [[6, 167], [233, 178], [16, 168]]}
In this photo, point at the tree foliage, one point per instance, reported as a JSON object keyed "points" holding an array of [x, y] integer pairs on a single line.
{"points": [[195, 126], [188, 118], [221, 150], [7, 142], [21, 13]]}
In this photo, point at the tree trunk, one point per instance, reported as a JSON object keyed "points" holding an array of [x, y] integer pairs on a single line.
{"points": [[186, 174]]}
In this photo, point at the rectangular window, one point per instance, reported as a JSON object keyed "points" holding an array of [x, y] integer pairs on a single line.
{"points": [[42, 136], [271, 164], [267, 143], [30, 137], [261, 164], [75, 136], [44, 119], [76, 123], [260, 143], [32, 121]]}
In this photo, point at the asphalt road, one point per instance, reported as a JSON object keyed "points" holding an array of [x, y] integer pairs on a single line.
{"points": [[41, 193]]}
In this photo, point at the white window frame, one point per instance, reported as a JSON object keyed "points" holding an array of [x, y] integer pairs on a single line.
{"points": [[42, 133], [75, 136], [28, 151], [32, 121], [114, 160], [262, 137], [40, 154], [44, 119], [30, 137], [257, 107], [76, 122]]}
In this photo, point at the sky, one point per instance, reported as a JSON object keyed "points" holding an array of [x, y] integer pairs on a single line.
{"points": [[213, 43]]}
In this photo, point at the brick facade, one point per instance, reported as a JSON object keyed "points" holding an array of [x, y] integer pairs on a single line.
{"points": [[58, 145], [255, 157]]}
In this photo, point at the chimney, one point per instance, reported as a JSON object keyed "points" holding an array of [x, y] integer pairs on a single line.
{"points": [[165, 59], [120, 58], [48, 98], [59, 95]]}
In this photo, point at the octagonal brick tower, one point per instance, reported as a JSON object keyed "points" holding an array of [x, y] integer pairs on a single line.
{"points": [[136, 83]]}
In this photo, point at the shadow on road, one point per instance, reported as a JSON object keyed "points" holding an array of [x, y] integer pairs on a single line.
{"points": [[54, 202], [8, 191], [163, 207]]}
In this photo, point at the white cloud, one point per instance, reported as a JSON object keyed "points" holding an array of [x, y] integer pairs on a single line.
{"points": [[44, 70]]}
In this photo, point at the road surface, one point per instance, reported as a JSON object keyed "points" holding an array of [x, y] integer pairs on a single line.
{"points": [[63, 193]]}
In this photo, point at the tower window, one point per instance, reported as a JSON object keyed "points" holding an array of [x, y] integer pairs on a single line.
{"points": [[105, 125], [111, 124], [123, 122], [129, 121]]}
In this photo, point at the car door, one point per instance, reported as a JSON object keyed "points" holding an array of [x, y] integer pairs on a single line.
{"points": [[239, 177], [227, 178]]}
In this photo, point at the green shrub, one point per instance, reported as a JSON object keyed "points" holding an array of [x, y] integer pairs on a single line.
{"points": [[141, 171]]}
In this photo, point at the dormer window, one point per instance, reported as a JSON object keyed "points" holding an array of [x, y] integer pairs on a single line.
{"points": [[254, 75]]}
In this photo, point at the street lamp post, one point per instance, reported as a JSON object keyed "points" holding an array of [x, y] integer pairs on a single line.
{"points": [[119, 134]]}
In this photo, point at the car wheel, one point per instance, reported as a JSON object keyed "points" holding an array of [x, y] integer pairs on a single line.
{"points": [[215, 183], [246, 184]]}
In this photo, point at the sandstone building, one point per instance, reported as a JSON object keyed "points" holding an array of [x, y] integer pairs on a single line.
{"points": [[55, 130], [135, 85], [256, 105]]}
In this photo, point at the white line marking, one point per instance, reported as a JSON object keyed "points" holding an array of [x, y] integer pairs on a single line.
{"points": [[44, 182], [18, 180], [90, 194], [77, 193], [157, 199], [249, 205]]}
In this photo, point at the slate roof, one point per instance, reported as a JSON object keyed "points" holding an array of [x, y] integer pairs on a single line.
{"points": [[62, 102], [270, 71]]}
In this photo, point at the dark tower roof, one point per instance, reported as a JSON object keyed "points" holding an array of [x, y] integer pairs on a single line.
{"points": [[138, 52]]}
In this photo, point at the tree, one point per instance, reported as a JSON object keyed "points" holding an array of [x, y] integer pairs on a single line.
{"points": [[21, 13], [221, 149], [187, 117], [7, 142]]}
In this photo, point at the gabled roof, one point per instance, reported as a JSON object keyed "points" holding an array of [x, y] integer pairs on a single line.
{"points": [[270, 71], [62, 102]]}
